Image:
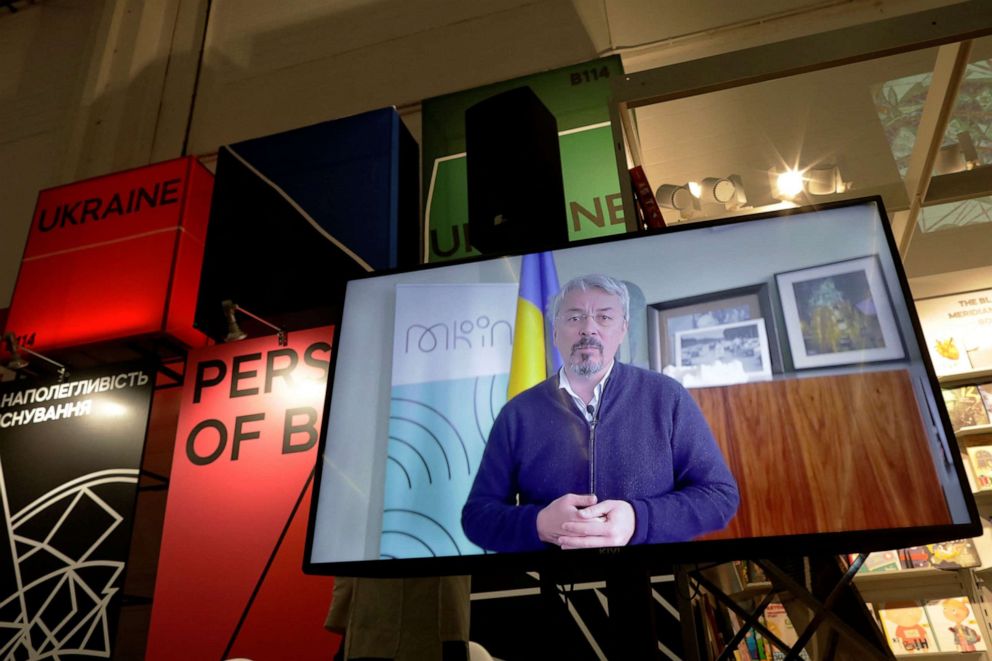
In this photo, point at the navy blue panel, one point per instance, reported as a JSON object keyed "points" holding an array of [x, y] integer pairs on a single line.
{"points": [[343, 173]]}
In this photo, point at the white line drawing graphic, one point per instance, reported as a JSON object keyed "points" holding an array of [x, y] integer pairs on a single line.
{"points": [[63, 586]]}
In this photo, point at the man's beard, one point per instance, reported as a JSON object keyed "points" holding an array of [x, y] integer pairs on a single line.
{"points": [[589, 366]]}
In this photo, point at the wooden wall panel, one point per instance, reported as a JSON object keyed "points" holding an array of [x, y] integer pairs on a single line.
{"points": [[825, 454]]}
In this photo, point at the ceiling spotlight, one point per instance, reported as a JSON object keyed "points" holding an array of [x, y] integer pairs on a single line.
{"points": [[789, 184], [717, 190], [968, 151], [671, 196], [957, 156], [822, 180], [234, 332], [18, 361]]}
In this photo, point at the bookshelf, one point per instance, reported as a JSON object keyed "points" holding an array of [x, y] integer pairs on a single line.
{"points": [[914, 584], [928, 584], [971, 377], [923, 584], [974, 435]]}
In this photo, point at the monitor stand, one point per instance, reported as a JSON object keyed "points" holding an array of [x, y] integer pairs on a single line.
{"points": [[631, 634], [831, 600]]}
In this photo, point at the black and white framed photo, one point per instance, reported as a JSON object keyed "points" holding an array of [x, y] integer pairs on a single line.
{"points": [[839, 314], [667, 318], [724, 354]]}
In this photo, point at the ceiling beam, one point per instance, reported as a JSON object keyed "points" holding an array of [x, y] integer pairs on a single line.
{"points": [[945, 25], [948, 71]]}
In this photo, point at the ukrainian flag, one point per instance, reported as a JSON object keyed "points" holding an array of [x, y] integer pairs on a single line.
{"points": [[538, 284]]}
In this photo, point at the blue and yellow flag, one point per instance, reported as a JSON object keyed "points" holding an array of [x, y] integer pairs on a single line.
{"points": [[538, 284]]}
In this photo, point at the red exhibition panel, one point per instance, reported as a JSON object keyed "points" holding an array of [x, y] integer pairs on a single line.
{"points": [[261, 636], [229, 582], [114, 256]]}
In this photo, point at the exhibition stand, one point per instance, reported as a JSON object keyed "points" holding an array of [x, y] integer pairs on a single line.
{"points": [[126, 324]]}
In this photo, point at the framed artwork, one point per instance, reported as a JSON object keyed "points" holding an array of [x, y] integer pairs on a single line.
{"points": [[839, 314], [667, 318], [958, 330], [724, 354]]}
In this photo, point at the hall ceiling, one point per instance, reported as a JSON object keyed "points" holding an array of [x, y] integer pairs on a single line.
{"points": [[825, 117]]}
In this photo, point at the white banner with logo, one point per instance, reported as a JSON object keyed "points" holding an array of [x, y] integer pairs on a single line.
{"points": [[451, 358]]}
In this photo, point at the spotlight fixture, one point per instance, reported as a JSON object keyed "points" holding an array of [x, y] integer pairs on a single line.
{"points": [[789, 184], [675, 197], [18, 361], [957, 156], [718, 191], [234, 332], [706, 198]]}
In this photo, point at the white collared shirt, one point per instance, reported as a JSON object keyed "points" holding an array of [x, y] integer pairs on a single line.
{"points": [[596, 392]]}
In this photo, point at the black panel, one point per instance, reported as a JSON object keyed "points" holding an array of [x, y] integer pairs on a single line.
{"points": [[264, 255], [516, 197]]}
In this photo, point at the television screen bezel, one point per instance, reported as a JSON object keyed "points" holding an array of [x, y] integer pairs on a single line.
{"points": [[657, 558]]}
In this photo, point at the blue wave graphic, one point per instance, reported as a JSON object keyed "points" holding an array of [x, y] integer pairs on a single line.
{"points": [[437, 433]]}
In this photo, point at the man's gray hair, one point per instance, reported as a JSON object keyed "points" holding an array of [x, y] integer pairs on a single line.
{"points": [[587, 282]]}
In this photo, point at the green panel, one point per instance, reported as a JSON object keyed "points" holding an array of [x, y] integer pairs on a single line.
{"points": [[447, 211], [578, 96], [592, 188]]}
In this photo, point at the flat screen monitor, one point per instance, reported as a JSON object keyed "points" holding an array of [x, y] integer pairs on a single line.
{"points": [[762, 390]]}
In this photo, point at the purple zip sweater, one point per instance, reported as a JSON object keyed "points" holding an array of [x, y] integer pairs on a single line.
{"points": [[651, 446]]}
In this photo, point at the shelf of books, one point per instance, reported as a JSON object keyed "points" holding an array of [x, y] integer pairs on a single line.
{"points": [[970, 377], [971, 435], [928, 600], [969, 407], [745, 583], [930, 628]]}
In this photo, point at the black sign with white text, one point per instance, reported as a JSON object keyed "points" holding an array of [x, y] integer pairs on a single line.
{"points": [[70, 455]]}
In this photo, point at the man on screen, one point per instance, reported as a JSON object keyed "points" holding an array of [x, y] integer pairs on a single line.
{"points": [[602, 453]]}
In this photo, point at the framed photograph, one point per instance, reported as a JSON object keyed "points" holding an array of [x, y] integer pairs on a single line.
{"points": [[667, 318], [839, 314], [724, 354]]}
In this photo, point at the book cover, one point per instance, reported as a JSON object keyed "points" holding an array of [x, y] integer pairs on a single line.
{"points": [[980, 458], [915, 557], [954, 625], [778, 622], [907, 628], [645, 198], [965, 407], [985, 390], [956, 554], [881, 561]]}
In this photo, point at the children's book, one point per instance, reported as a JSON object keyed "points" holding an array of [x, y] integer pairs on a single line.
{"points": [[880, 561], [778, 622], [980, 457], [985, 390], [915, 557], [907, 628], [954, 625], [957, 554], [965, 407]]}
